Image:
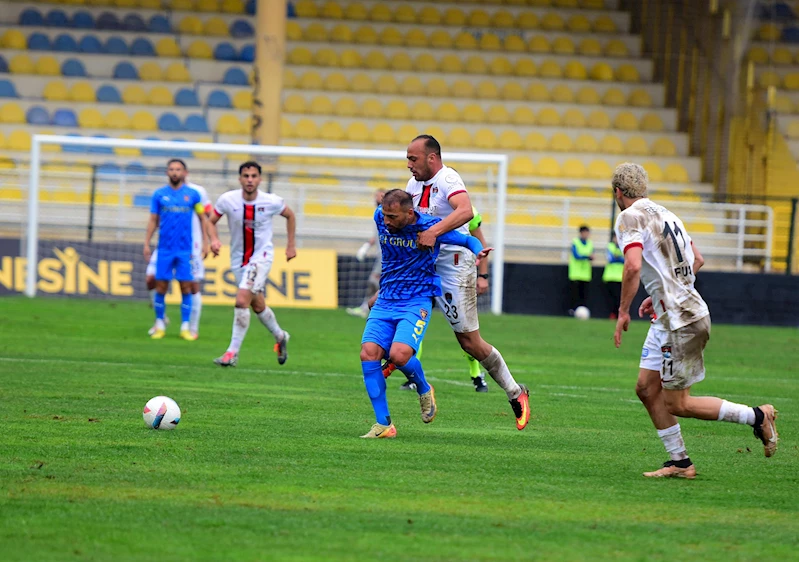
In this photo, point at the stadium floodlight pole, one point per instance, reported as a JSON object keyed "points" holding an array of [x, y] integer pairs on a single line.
{"points": [[501, 160]]}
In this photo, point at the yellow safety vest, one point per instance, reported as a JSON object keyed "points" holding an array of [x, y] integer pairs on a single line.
{"points": [[614, 272], [580, 270]]}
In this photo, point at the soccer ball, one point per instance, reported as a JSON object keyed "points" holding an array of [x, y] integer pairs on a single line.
{"points": [[161, 412], [582, 313]]}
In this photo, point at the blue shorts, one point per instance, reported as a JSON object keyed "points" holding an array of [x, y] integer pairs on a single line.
{"points": [[398, 321], [173, 265]]}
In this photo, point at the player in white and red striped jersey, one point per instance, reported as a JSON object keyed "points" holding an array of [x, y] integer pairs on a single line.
{"points": [[249, 213]]}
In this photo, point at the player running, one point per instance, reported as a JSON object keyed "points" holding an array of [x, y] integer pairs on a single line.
{"points": [[249, 213], [401, 310], [658, 251], [171, 212], [439, 191]]}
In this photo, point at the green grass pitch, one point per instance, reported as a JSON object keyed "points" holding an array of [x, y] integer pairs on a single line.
{"points": [[267, 465]]}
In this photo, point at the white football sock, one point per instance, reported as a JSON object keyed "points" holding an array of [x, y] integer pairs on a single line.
{"points": [[267, 318], [498, 369], [152, 298], [184, 326], [736, 413], [159, 324], [196, 310], [672, 441], [241, 322]]}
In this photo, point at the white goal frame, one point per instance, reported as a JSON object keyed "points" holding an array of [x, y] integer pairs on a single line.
{"points": [[501, 160]]}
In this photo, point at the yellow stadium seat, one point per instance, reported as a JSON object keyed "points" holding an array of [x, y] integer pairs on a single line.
{"points": [[160, 95], [404, 14], [791, 81], [407, 132], [300, 56], [462, 89], [675, 173], [514, 44], [552, 21], [588, 96], [570, 4], [654, 171], [590, 47], [345, 107], [611, 144], [550, 69], [497, 115], [639, 98], [625, 121], [520, 218], [293, 31], [459, 137], [356, 12], [331, 131], [396, 109], [574, 168], [652, 122], [82, 92], [289, 78], [371, 108], [578, 23], [663, 146], [535, 142], [426, 63], [599, 170], [485, 139], [539, 44], [390, 37], [48, 65], [574, 70], [14, 39], [357, 131], [90, 118], [478, 18], [326, 56], [454, 17], [412, 86], [365, 35], [562, 94], [375, 60], [315, 32], [511, 91], [207, 6], [19, 140], [768, 78], [758, 55], [769, 32], [199, 49], [592, 4], [143, 121], [401, 62], [521, 166], [490, 42], [134, 95], [332, 10], [428, 15], [616, 48], [387, 85], [167, 47], [563, 46], [150, 72], [487, 90], [783, 104], [586, 143], [614, 97], [437, 87], [415, 38], [350, 58], [233, 6], [21, 64], [604, 24], [306, 8], [510, 140], [380, 12], [336, 82], [537, 91], [440, 39], [116, 119], [527, 20], [382, 133], [473, 113], [311, 81], [627, 73], [548, 117], [449, 63], [465, 41], [525, 68], [636, 146], [548, 167], [191, 25], [523, 116], [12, 113], [500, 66], [182, 5], [598, 119], [602, 72], [303, 129], [782, 56], [321, 105], [560, 142], [422, 110], [448, 111], [573, 118], [55, 91]]}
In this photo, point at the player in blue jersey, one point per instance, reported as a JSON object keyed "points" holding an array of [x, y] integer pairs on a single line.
{"points": [[171, 211], [401, 309]]}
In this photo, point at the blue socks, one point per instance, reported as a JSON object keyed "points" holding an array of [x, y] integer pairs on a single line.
{"points": [[413, 370], [376, 388], [185, 307], [159, 306]]}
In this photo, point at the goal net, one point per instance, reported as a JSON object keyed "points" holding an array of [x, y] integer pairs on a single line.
{"points": [[82, 220]]}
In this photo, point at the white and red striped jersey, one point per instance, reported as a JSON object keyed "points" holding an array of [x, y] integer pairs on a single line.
{"points": [[196, 226], [250, 224], [668, 259]]}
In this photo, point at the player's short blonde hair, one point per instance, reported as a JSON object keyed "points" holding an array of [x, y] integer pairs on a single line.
{"points": [[632, 179]]}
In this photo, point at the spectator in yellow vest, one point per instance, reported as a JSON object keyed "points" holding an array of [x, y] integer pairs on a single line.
{"points": [[611, 277], [582, 254]]}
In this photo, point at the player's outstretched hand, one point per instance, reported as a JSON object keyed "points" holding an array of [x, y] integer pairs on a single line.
{"points": [[646, 308], [621, 325], [426, 240], [216, 245], [483, 254], [291, 253]]}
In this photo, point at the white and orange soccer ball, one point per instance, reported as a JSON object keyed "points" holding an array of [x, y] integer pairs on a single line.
{"points": [[161, 412]]}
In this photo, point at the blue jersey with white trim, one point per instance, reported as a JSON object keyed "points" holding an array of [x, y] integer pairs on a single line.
{"points": [[175, 209], [409, 272]]}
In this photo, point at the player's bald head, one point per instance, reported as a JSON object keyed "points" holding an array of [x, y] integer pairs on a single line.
{"points": [[398, 197], [429, 144], [631, 179]]}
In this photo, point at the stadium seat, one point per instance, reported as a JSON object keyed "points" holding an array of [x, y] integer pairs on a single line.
{"points": [[562, 94], [82, 92], [510, 140], [208, 6], [578, 23], [625, 121], [616, 48], [604, 24], [652, 122], [586, 143], [19, 140], [675, 173], [598, 119], [365, 35], [191, 25], [56, 18], [37, 115], [176, 72], [440, 39], [167, 47], [142, 47], [523, 116], [574, 168], [108, 21], [548, 167], [133, 95], [199, 49], [143, 121], [150, 72], [159, 24], [663, 146], [243, 100], [235, 77], [31, 17], [116, 45], [473, 113], [233, 7], [636, 146], [216, 27], [39, 42], [654, 171], [247, 53], [160, 95], [186, 97], [549, 69], [7, 89], [90, 118], [548, 117], [196, 124], [21, 64], [218, 98], [563, 46], [3, 65], [560, 142], [454, 17], [230, 125], [345, 107], [324, 56], [55, 91], [241, 28], [768, 78], [371, 108], [14, 39], [573, 118], [611, 144], [133, 23], [116, 119], [599, 170], [627, 73], [602, 72], [464, 41], [331, 131], [320, 105], [90, 44]]}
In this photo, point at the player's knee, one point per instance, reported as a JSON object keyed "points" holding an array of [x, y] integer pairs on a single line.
{"points": [[645, 391], [242, 302], [401, 354], [370, 353], [150, 281], [677, 407]]}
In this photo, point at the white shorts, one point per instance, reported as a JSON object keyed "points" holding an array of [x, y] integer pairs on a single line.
{"points": [[459, 290], [151, 264], [253, 276], [678, 355], [197, 266]]}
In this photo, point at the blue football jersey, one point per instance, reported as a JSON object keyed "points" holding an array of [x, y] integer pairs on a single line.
{"points": [[407, 271], [175, 208]]}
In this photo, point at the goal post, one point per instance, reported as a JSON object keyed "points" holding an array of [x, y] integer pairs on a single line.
{"points": [[497, 184]]}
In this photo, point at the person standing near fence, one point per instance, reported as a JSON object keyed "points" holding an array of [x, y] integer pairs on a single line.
{"points": [[580, 259], [612, 276]]}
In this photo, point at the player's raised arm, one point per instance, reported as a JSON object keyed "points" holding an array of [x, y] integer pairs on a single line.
{"points": [[291, 229], [472, 243], [461, 214]]}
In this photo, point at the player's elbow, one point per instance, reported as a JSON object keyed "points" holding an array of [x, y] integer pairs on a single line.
{"points": [[632, 267]]}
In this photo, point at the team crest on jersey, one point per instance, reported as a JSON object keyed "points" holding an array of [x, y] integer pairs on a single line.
{"points": [[451, 178], [666, 351], [434, 190], [448, 298], [423, 313]]}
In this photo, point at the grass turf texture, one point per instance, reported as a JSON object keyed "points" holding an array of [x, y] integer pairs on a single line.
{"points": [[266, 463]]}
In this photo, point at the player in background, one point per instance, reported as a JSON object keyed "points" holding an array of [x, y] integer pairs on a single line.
{"points": [[171, 212], [249, 213], [439, 191], [658, 251], [401, 310], [198, 237], [373, 282]]}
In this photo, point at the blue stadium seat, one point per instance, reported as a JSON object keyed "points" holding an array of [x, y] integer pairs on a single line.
{"points": [[186, 98], [138, 169], [241, 28], [225, 51], [65, 43], [100, 149], [7, 89], [32, 17], [65, 118], [82, 20], [783, 12], [790, 34], [56, 18], [109, 168], [125, 71], [90, 44], [73, 67], [247, 53], [250, 7], [39, 42], [115, 45], [37, 115], [219, 98], [108, 94], [196, 124], [181, 153], [142, 47], [72, 147], [291, 11], [159, 24], [3, 65], [133, 22], [235, 77], [169, 122], [108, 21]]}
